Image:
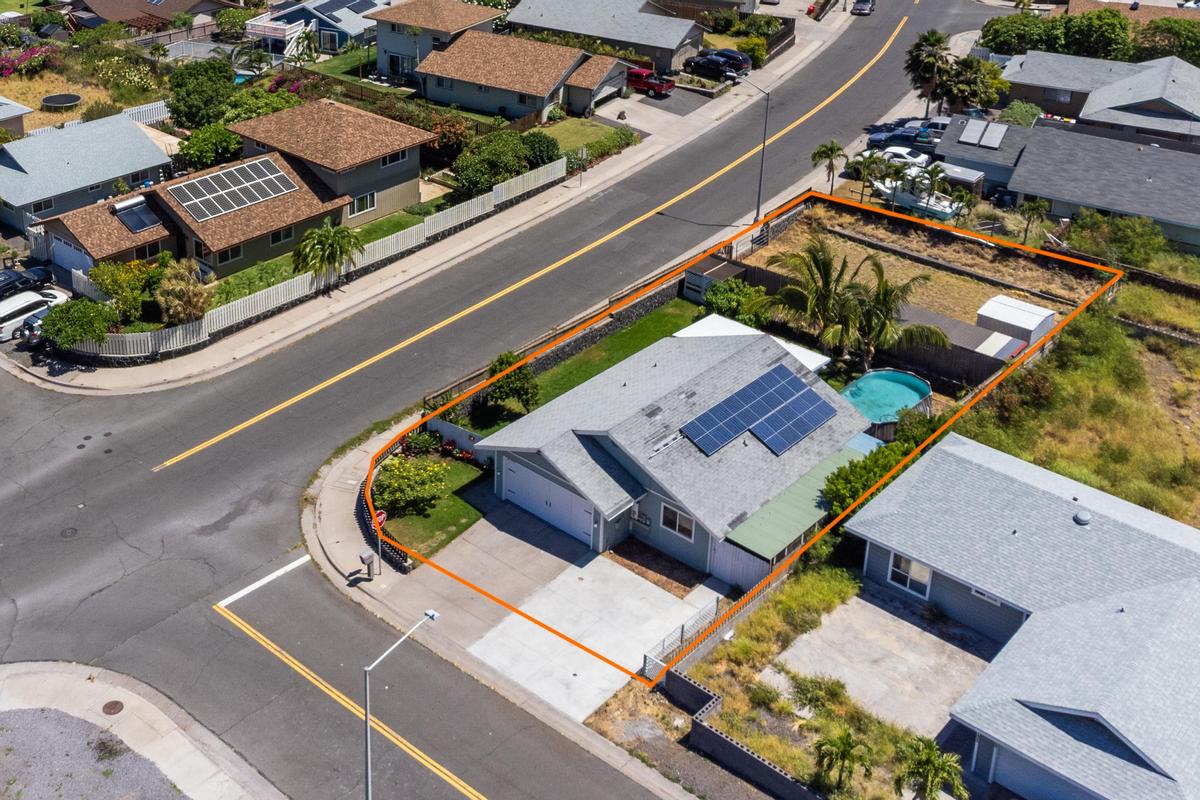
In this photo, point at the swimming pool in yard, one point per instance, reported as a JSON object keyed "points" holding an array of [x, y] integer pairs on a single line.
{"points": [[881, 394]]}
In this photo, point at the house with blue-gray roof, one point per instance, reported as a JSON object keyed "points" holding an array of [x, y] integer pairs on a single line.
{"points": [[710, 446], [337, 22], [61, 170], [1096, 601]]}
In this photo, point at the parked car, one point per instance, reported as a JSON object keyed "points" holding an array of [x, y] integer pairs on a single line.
{"points": [[905, 155], [14, 309], [738, 61], [711, 67], [31, 328], [863, 8], [916, 138], [13, 281], [646, 80], [936, 126]]}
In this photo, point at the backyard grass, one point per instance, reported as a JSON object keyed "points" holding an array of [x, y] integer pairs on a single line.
{"points": [[1181, 266], [1151, 306], [575, 132], [386, 226], [429, 532], [253, 279], [721, 41], [347, 65], [30, 91]]}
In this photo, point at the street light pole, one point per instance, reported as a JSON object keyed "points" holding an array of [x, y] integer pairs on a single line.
{"points": [[429, 616], [762, 154]]}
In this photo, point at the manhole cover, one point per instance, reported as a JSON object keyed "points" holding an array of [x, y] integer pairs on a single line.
{"points": [[68, 533], [113, 707]]}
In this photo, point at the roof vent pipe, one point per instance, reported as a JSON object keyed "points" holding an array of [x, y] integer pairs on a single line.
{"points": [[1082, 517]]}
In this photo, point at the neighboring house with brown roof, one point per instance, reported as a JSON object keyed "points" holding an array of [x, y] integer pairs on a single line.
{"points": [[408, 31], [597, 79], [227, 217], [501, 75], [374, 160], [152, 16], [1145, 12]]}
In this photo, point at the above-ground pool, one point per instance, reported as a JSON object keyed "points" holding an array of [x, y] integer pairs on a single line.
{"points": [[881, 394]]}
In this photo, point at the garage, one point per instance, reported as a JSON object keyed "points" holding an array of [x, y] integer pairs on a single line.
{"points": [[547, 500], [69, 255], [1031, 781]]}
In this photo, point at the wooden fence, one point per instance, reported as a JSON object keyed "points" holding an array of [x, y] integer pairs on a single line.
{"points": [[153, 344]]}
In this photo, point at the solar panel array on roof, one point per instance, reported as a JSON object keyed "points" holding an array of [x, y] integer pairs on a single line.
{"points": [[362, 6], [138, 218], [232, 189], [972, 132], [993, 136], [779, 408]]}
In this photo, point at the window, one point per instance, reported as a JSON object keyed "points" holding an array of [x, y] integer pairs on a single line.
{"points": [[479, 87], [1056, 95], [523, 99], [232, 254], [259, 145], [988, 598], [281, 235], [445, 83], [146, 251], [139, 177], [198, 248], [95, 187], [910, 575], [677, 522], [392, 158], [362, 204], [42, 205]]}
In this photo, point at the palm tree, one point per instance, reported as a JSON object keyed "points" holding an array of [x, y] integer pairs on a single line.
{"points": [[927, 63], [307, 47], [323, 250], [879, 312], [925, 771], [868, 165], [842, 753], [894, 171], [932, 179], [253, 59], [1032, 211], [964, 201], [158, 51], [829, 154]]}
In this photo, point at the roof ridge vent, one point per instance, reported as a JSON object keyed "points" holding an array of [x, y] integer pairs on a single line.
{"points": [[1082, 517]]}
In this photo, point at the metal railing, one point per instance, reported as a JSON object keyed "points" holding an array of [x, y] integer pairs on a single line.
{"points": [[658, 655]]}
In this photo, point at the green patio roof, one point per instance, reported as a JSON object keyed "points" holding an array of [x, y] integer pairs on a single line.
{"points": [[785, 517]]}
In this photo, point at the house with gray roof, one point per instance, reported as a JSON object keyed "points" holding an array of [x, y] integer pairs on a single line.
{"points": [[12, 116], [963, 146], [649, 448], [644, 27], [337, 21], [1093, 694], [1156, 98], [45, 175]]}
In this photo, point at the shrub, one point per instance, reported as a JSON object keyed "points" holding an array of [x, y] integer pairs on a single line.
{"points": [[556, 113], [422, 443], [89, 37], [250, 103], [27, 62], [543, 149], [610, 144], [41, 18], [736, 299], [10, 35], [199, 91], [1020, 113], [817, 692], [231, 22], [756, 48], [209, 145], [489, 160], [180, 294], [760, 25], [182, 19], [124, 282], [1137, 241], [76, 321], [120, 75], [409, 485], [99, 109], [518, 385], [762, 695], [722, 20]]}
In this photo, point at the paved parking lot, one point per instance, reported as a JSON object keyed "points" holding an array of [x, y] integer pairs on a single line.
{"points": [[895, 665]]}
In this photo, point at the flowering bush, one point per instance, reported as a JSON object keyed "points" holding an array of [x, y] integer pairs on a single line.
{"points": [[409, 485], [27, 62], [118, 71]]}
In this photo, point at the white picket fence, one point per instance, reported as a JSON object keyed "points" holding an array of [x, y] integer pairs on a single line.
{"points": [[141, 345], [147, 114]]}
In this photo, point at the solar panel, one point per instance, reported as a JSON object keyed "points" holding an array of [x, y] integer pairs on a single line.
{"points": [[788, 425], [972, 132], [232, 189], [993, 135], [779, 396], [362, 6], [138, 218]]}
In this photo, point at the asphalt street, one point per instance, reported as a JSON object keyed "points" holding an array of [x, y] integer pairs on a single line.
{"points": [[104, 562]]}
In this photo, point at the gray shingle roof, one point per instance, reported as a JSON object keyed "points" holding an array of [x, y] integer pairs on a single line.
{"points": [[638, 407], [11, 108], [620, 20], [1076, 73], [1006, 155], [1124, 177], [74, 158], [1165, 80]]}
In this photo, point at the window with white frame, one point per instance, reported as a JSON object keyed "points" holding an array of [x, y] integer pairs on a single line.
{"points": [[679, 523], [42, 205], [146, 251], [281, 235], [523, 99], [362, 204], [910, 575], [95, 187], [231, 254], [393, 158], [259, 145]]}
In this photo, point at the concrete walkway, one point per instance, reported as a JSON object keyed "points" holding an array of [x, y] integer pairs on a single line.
{"points": [[187, 753], [667, 132]]}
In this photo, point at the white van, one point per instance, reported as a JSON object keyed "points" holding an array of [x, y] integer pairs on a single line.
{"points": [[14, 310]]}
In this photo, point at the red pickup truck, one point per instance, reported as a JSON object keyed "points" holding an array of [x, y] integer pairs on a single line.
{"points": [[645, 80]]}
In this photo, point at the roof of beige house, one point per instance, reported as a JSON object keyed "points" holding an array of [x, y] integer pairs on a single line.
{"points": [[503, 62], [445, 16], [1143, 13], [592, 72], [102, 233], [331, 134]]}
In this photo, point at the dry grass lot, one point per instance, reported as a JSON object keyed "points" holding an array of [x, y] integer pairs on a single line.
{"points": [[30, 91]]}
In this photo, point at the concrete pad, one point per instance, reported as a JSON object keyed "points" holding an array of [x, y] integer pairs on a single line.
{"points": [[601, 605], [892, 663]]}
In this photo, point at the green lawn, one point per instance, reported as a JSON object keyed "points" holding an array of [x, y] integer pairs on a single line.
{"points": [[252, 279], [574, 132], [386, 226], [721, 41], [662, 322], [1151, 306], [429, 532]]}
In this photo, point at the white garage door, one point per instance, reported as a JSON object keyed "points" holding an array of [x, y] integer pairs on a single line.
{"points": [[69, 255], [544, 498], [1031, 781]]}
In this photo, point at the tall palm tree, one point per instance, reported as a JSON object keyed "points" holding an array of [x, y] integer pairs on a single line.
{"points": [[964, 201], [879, 325], [926, 771], [324, 249], [817, 299], [307, 46], [158, 51], [867, 164], [932, 179], [829, 154], [927, 63], [843, 754], [254, 60], [896, 172], [1032, 211]]}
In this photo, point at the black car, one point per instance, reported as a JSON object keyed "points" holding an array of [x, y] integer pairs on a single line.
{"points": [[863, 8], [712, 67], [13, 281], [738, 61]]}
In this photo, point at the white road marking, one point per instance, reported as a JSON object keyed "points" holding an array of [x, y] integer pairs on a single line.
{"points": [[264, 581]]}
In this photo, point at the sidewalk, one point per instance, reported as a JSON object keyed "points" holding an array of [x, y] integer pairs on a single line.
{"points": [[667, 131], [188, 754]]}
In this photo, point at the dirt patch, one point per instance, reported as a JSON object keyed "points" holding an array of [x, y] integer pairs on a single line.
{"points": [[1177, 392], [656, 566], [30, 91]]}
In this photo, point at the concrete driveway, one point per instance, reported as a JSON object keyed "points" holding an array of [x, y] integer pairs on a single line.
{"points": [[892, 663]]}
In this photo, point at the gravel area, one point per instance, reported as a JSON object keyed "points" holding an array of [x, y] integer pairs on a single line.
{"points": [[49, 755]]}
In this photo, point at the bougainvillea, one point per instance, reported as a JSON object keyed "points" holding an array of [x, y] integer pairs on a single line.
{"points": [[27, 62]]}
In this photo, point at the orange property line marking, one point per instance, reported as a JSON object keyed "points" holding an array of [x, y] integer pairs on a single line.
{"points": [[1115, 274]]}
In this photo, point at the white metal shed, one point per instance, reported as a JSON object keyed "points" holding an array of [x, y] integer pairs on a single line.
{"points": [[1015, 318]]}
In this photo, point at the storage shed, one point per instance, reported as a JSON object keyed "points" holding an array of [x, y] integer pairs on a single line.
{"points": [[1015, 318]]}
